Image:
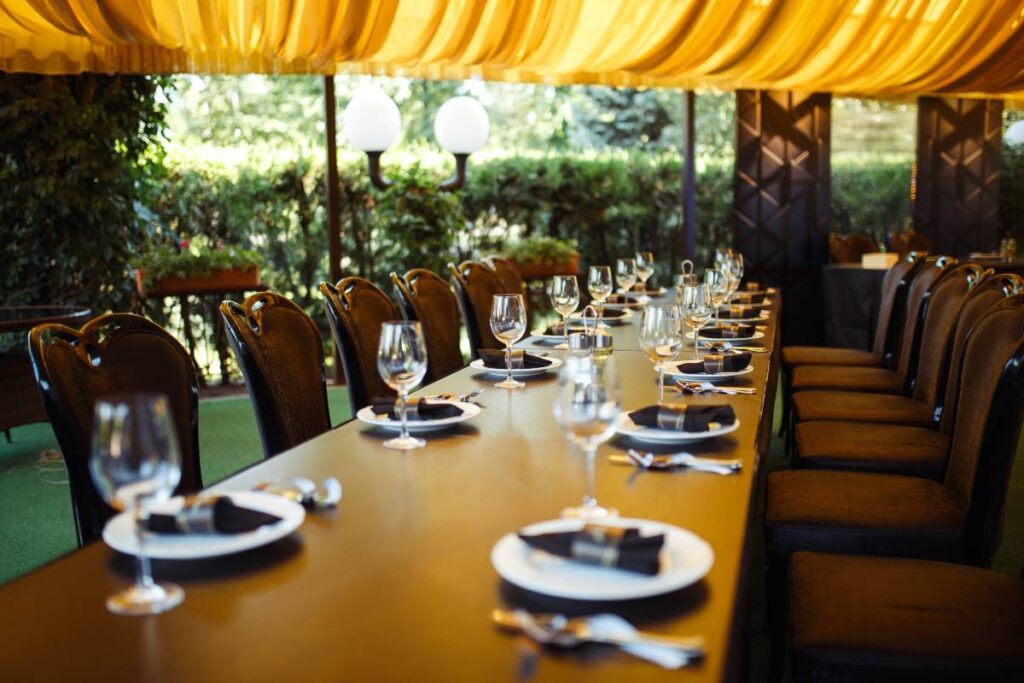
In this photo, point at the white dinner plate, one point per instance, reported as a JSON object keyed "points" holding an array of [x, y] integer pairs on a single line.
{"points": [[478, 364], [639, 295], [628, 428], [763, 318], [758, 334], [685, 559], [764, 304], [630, 306], [578, 317], [469, 411], [119, 533], [546, 339], [703, 376]]}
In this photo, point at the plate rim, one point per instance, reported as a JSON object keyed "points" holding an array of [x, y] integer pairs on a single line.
{"points": [[717, 377], [520, 372], [758, 334], [469, 411], [669, 434]]}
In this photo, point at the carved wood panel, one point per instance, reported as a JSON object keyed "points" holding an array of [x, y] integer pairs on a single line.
{"points": [[781, 195], [959, 144]]}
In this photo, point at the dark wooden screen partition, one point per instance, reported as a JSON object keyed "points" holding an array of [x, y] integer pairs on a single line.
{"points": [[959, 143], [781, 195]]}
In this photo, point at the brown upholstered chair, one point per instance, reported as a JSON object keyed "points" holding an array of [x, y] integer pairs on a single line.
{"points": [[901, 449], [508, 274], [426, 297], [902, 620], [281, 353], [881, 380], [849, 248], [908, 241], [356, 308], [895, 280], [958, 519], [114, 353], [477, 284]]}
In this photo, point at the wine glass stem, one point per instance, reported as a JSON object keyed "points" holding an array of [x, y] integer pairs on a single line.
{"points": [[508, 361], [144, 576], [565, 329], [590, 497], [402, 399], [661, 383], [696, 343]]}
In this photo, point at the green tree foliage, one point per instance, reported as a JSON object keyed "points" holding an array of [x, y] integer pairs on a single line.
{"points": [[74, 153], [622, 117]]}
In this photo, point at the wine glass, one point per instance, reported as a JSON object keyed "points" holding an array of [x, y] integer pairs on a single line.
{"points": [[135, 463], [644, 270], [696, 310], [508, 324], [660, 339], [402, 364], [587, 406], [565, 297], [599, 283], [625, 274], [718, 285]]}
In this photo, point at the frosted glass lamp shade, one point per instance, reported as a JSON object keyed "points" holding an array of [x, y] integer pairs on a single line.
{"points": [[1015, 133], [372, 121], [461, 125]]}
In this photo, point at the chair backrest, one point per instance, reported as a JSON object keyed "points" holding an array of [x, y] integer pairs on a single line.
{"points": [[426, 297], [509, 276], [908, 241], [941, 309], [476, 285], [896, 279], [281, 353], [984, 296], [849, 248], [990, 409], [113, 354], [356, 308], [934, 268]]}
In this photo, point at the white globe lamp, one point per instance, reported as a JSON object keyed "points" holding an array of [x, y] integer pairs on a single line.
{"points": [[372, 120], [461, 125], [1015, 133]]}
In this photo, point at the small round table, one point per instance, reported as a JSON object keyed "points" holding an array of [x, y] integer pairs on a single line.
{"points": [[20, 402]]}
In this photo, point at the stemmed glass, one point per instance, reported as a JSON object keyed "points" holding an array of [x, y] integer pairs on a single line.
{"points": [[625, 274], [565, 297], [135, 463], [402, 364], [644, 270], [660, 339], [588, 406], [599, 283], [508, 325], [695, 306], [718, 285]]}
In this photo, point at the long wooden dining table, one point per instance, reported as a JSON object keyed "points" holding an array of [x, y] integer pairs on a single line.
{"points": [[396, 584]]}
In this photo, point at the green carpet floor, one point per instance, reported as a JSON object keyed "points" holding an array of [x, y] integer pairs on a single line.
{"points": [[36, 523]]}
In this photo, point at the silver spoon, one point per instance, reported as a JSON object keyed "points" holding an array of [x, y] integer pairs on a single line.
{"points": [[709, 388]]}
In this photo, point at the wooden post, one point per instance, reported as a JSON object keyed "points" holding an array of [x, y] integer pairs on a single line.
{"points": [[333, 201], [689, 198]]}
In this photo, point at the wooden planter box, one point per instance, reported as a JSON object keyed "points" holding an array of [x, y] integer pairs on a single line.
{"points": [[217, 282], [542, 271]]}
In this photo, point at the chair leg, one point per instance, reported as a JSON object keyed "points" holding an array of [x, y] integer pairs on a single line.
{"points": [[777, 607]]}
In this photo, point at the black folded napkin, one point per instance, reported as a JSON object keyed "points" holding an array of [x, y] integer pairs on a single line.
{"points": [[714, 363], [417, 409], [494, 358], [558, 330], [621, 299], [209, 515], [750, 297], [604, 546], [683, 418], [738, 313], [607, 313], [650, 289], [727, 331]]}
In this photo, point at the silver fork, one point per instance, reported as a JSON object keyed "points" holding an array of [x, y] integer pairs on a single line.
{"points": [[668, 461], [709, 388]]}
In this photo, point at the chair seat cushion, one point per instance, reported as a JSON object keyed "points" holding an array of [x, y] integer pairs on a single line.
{"points": [[875, 380], [828, 355], [871, 447], [871, 618], [854, 406], [862, 513]]}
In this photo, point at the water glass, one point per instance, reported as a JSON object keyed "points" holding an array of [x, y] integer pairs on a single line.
{"points": [[718, 286], [625, 273], [136, 462], [644, 269], [508, 325], [599, 283], [695, 306], [402, 364], [565, 297], [660, 338], [587, 406]]}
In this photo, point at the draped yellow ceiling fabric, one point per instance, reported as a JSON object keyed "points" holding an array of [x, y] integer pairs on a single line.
{"points": [[882, 48]]}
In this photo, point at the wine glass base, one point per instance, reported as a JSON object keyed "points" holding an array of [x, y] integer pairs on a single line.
{"points": [[589, 513], [404, 443], [510, 384], [139, 600]]}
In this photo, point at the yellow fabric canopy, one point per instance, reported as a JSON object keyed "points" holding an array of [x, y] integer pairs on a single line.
{"points": [[883, 48]]}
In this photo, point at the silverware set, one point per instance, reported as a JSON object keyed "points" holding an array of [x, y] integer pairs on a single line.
{"points": [[709, 388], [306, 492], [653, 461], [460, 398]]}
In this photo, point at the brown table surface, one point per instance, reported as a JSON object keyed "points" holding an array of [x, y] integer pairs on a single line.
{"points": [[396, 584]]}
